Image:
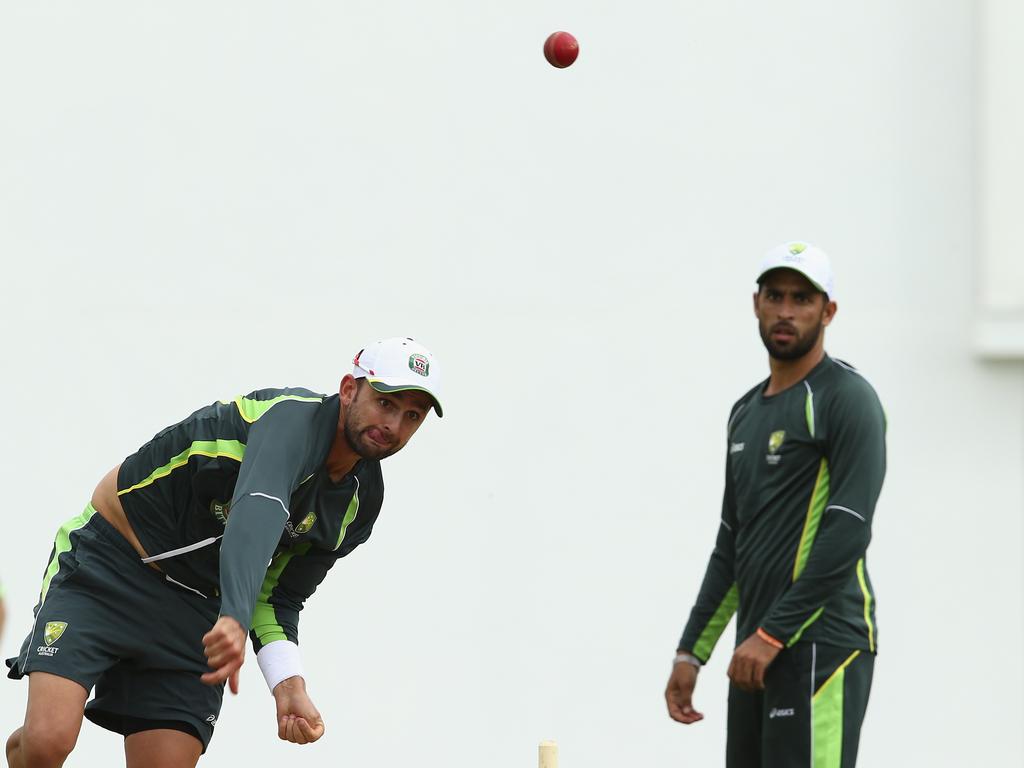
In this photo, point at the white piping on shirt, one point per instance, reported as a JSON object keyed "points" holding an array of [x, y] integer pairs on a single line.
{"points": [[274, 498], [206, 542], [184, 586], [846, 367], [846, 509], [181, 550]]}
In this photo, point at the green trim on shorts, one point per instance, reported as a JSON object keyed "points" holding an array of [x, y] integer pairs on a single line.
{"points": [[827, 719], [62, 544]]}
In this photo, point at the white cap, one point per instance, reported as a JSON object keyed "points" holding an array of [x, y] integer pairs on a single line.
{"points": [[808, 260], [398, 365]]}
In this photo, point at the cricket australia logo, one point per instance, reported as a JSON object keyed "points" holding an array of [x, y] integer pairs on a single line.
{"points": [[303, 527], [795, 254], [306, 524], [775, 441], [53, 631], [51, 634], [419, 364]]}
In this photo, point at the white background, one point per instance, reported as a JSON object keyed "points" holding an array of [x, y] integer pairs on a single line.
{"points": [[200, 199]]}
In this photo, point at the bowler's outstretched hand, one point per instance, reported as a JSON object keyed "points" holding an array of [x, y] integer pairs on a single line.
{"points": [[298, 720], [224, 646]]}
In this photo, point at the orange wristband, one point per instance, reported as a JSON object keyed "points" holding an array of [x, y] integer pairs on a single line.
{"points": [[770, 640]]}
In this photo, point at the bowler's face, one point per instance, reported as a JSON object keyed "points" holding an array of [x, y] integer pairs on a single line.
{"points": [[379, 424], [791, 314]]}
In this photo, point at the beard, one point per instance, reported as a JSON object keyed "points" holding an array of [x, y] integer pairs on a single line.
{"points": [[361, 443], [793, 350]]}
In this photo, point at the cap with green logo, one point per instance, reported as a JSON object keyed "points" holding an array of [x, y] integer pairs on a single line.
{"points": [[810, 261], [399, 365]]}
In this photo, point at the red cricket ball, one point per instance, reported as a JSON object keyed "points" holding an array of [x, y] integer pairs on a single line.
{"points": [[561, 49]]}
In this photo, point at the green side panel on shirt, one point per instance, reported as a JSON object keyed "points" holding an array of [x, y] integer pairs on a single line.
{"points": [[251, 410], [232, 449], [867, 604], [815, 509], [62, 544], [264, 620], [716, 626], [350, 515], [799, 633]]}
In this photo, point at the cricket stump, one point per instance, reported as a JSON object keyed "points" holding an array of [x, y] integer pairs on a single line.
{"points": [[548, 754]]}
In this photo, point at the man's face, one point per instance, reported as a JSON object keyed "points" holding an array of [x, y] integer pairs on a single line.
{"points": [[791, 314], [379, 424]]}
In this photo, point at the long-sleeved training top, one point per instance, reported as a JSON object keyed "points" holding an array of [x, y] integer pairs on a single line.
{"points": [[804, 469], [250, 470]]}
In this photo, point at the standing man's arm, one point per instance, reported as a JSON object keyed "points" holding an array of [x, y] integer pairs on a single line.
{"points": [[835, 541], [274, 456], [291, 580], [716, 603]]}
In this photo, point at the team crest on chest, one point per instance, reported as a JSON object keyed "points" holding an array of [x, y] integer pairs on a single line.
{"points": [[303, 526], [306, 524], [775, 440], [221, 510]]}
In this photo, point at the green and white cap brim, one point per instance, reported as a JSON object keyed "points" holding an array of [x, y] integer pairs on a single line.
{"points": [[400, 365], [810, 261]]}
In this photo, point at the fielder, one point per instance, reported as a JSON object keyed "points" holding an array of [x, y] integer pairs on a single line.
{"points": [[804, 467]]}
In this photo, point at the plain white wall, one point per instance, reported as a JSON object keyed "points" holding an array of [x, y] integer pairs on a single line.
{"points": [[202, 199]]}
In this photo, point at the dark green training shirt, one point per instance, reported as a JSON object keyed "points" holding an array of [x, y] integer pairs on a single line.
{"points": [[240, 484], [804, 469]]}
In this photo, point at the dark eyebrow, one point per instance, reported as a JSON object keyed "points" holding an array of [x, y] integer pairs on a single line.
{"points": [[411, 400]]}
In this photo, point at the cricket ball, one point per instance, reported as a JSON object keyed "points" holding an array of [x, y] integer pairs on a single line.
{"points": [[561, 49]]}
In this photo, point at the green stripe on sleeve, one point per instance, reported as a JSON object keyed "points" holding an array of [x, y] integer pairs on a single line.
{"points": [[264, 620], [251, 410], [815, 509], [716, 626], [231, 449], [62, 544]]}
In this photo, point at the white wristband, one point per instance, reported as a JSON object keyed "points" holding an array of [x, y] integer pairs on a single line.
{"points": [[689, 658], [278, 661]]}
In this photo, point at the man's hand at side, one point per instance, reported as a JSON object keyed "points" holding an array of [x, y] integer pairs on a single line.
{"points": [[224, 646], [298, 721], [679, 693], [750, 661]]}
